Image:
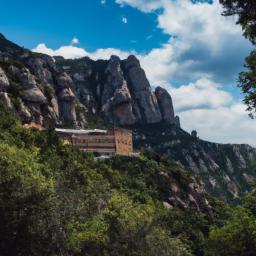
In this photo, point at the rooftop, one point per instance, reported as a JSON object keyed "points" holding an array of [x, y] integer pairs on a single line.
{"points": [[80, 132]]}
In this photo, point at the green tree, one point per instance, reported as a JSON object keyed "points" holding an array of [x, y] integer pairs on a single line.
{"points": [[245, 10], [247, 82], [27, 200], [237, 237]]}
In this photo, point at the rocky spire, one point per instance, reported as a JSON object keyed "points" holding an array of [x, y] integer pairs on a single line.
{"points": [[116, 98], [144, 100], [165, 104]]}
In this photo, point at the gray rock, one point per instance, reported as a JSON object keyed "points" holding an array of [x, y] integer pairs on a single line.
{"points": [[177, 121], [116, 98], [27, 80], [64, 81], [146, 103], [4, 97], [68, 112], [13, 71], [4, 82], [33, 95], [39, 65], [136, 75], [24, 112], [122, 95], [66, 95], [165, 104]]}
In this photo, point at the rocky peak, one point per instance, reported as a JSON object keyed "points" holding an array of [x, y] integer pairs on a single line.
{"points": [[116, 98], [165, 104], [117, 89], [9, 48], [131, 62], [126, 97]]}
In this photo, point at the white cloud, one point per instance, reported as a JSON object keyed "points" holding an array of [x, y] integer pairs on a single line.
{"points": [[149, 37], [225, 124], [202, 42], [69, 51], [73, 52], [75, 40], [103, 1], [201, 94], [143, 5], [124, 20], [214, 113]]}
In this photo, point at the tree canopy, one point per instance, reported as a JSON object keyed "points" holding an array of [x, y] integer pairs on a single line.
{"points": [[245, 11]]}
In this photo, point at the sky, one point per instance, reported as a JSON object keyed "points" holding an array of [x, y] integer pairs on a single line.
{"points": [[185, 46]]}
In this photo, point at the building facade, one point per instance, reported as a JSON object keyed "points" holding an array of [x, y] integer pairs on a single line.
{"points": [[115, 141]]}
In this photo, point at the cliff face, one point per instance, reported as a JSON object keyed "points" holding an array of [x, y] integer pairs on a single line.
{"points": [[55, 91], [79, 93], [226, 170]]}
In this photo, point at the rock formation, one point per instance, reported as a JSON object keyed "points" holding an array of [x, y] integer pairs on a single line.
{"points": [[4, 82], [63, 92], [165, 103], [146, 107]]}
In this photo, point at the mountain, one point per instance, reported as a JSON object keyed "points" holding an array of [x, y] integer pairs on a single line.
{"points": [[62, 92], [226, 170], [81, 93]]}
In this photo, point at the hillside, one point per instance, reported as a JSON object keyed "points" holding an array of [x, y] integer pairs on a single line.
{"points": [[226, 170], [59, 201], [85, 93]]}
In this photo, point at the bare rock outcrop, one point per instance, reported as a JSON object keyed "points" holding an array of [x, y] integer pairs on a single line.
{"points": [[66, 99], [144, 100], [4, 82], [165, 104], [116, 98], [41, 66]]}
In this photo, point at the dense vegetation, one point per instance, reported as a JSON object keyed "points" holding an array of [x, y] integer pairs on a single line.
{"points": [[55, 200], [245, 11]]}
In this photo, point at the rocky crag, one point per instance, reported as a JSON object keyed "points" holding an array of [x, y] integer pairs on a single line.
{"points": [[47, 90], [53, 91], [226, 170]]}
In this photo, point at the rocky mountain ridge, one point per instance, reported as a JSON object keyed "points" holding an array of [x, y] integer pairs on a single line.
{"points": [[60, 92], [84, 93], [226, 170]]}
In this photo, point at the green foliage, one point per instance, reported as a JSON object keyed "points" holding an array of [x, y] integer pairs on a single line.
{"points": [[159, 242], [237, 237], [247, 82], [246, 12], [48, 92], [15, 89], [56, 200]]}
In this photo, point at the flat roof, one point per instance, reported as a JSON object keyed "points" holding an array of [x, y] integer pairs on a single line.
{"points": [[80, 132]]}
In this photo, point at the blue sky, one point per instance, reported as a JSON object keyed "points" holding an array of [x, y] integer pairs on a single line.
{"points": [[97, 25], [184, 46]]}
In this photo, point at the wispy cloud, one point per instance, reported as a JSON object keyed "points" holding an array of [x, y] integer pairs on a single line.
{"points": [[124, 20], [149, 37], [74, 41]]}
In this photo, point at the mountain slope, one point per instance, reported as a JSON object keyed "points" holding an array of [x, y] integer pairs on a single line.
{"points": [[86, 93], [63, 92], [227, 170], [56, 200]]}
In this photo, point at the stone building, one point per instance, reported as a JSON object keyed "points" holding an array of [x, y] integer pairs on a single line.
{"points": [[115, 141]]}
